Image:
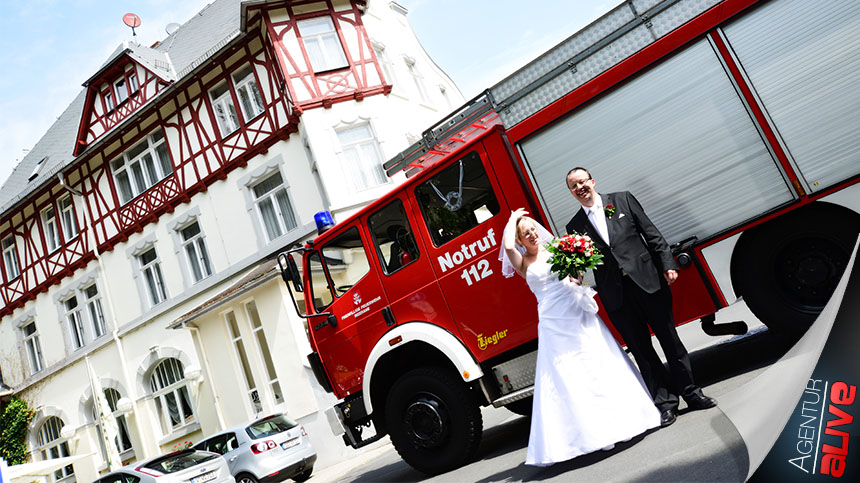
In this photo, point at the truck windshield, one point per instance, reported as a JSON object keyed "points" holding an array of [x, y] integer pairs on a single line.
{"points": [[457, 199]]}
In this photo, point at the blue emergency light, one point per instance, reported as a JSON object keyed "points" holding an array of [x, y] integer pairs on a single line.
{"points": [[323, 220]]}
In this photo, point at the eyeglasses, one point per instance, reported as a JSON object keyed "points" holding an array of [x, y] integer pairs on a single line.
{"points": [[577, 184]]}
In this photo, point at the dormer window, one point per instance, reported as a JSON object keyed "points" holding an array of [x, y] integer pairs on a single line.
{"points": [[108, 97], [322, 44], [121, 90], [118, 91]]}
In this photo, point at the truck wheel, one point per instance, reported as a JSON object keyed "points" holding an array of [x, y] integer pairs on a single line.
{"points": [[433, 420], [786, 270]]}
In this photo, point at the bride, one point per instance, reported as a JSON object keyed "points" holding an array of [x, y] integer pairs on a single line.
{"points": [[587, 393]]}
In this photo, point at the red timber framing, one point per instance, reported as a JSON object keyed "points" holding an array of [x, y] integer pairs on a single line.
{"points": [[98, 118], [39, 266], [362, 77], [200, 156]]}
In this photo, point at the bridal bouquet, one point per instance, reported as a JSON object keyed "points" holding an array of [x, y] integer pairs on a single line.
{"points": [[573, 254]]}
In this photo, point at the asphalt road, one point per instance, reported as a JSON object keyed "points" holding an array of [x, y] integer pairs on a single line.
{"points": [[700, 446]]}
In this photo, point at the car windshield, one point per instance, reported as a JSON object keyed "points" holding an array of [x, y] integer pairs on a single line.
{"points": [[269, 426], [179, 461]]}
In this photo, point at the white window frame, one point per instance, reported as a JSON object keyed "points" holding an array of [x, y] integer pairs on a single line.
{"points": [[120, 88], [263, 350], [74, 323], [168, 379], [224, 108], [112, 397], [152, 276], [33, 347], [68, 221], [388, 68], [52, 231], [364, 172], [284, 222], [93, 303], [52, 446], [141, 167], [240, 354], [418, 79], [248, 92], [133, 85], [194, 247], [10, 258], [319, 35], [107, 97]]}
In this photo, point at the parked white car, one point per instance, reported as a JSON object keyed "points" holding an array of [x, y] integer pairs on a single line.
{"points": [[186, 466], [273, 448]]}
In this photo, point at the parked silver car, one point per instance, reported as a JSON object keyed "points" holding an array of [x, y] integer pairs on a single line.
{"points": [[186, 466], [273, 448]]}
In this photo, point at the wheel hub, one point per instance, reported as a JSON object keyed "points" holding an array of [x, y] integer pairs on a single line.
{"points": [[426, 421], [809, 269]]}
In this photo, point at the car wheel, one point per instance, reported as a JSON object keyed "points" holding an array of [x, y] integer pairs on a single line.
{"points": [[433, 420], [304, 476], [245, 478]]}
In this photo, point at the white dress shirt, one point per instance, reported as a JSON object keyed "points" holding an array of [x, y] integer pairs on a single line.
{"points": [[598, 217]]}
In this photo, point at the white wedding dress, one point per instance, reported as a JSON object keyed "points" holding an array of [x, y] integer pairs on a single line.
{"points": [[588, 394]]}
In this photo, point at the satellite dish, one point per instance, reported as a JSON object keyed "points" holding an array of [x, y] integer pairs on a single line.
{"points": [[132, 20], [171, 28]]}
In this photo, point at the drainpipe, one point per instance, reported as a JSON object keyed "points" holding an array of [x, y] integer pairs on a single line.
{"points": [[132, 389], [195, 333]]}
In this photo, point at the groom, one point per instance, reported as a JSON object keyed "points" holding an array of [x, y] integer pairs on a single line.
{"points": [[633, 284]]}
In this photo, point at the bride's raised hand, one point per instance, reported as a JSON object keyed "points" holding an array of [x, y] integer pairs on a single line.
{"points": [[518, 213]]}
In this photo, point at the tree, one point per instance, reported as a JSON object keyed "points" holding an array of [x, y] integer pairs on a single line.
{"points": [[15, 416]]}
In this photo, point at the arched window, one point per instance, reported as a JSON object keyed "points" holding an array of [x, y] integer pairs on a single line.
{"points": [[51, 447], [122, 440], [170, 392]]}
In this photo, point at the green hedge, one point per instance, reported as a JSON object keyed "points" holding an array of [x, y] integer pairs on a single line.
{"points": [[15, 416]]}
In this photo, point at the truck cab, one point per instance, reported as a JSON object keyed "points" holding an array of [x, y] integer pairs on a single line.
{"points": [[408, 294]]}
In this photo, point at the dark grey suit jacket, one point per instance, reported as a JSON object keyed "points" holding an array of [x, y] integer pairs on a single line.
{"points": [[637, 248]]}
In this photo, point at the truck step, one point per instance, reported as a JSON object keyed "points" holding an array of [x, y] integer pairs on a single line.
{"points": [[514, 396]]}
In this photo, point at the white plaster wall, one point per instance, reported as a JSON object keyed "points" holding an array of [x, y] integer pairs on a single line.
{"points": [[397, 119]]}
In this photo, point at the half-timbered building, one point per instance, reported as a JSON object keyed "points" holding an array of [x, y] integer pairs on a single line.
{"points": [[139, 233]]}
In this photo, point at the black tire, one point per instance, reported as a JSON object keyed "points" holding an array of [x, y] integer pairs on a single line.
{"points": [[304, 476], [523, 407], [786, 270], [433, 420], [245, 478]]}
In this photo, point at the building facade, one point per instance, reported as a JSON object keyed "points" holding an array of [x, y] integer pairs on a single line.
{"points": [[139, 234]]}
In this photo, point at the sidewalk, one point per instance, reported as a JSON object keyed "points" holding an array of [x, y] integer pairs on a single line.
{"points": [[337, 472]]}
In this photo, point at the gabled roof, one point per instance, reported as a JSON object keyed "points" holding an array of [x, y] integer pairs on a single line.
{"points": [[156, 61], [188, 47]]}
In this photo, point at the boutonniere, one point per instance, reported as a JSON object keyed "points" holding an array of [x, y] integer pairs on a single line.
{"points": [[609, 210]]}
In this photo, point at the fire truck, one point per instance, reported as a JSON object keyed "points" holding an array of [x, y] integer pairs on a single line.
{"points": [[734, 122]]}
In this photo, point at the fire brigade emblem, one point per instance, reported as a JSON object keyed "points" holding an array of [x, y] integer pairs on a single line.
{"points": [[356, 298]]}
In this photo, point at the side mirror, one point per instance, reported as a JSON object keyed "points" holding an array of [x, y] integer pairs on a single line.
{"points": [[290, 271]]}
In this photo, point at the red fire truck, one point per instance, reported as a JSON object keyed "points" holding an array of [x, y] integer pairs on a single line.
{"points": [[734, 122]]}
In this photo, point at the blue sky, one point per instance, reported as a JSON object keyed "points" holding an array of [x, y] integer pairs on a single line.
{"points": [[48, 48]]}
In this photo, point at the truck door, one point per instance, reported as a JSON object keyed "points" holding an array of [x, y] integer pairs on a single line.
{"points": [[343, 283], [407, 274], [463, 215]]}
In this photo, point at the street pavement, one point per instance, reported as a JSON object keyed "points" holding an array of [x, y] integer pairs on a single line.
{"points": [[700, 446]]}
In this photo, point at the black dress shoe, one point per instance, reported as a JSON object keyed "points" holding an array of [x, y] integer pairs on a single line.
{"points": [[697, 401], [668, 417]]}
